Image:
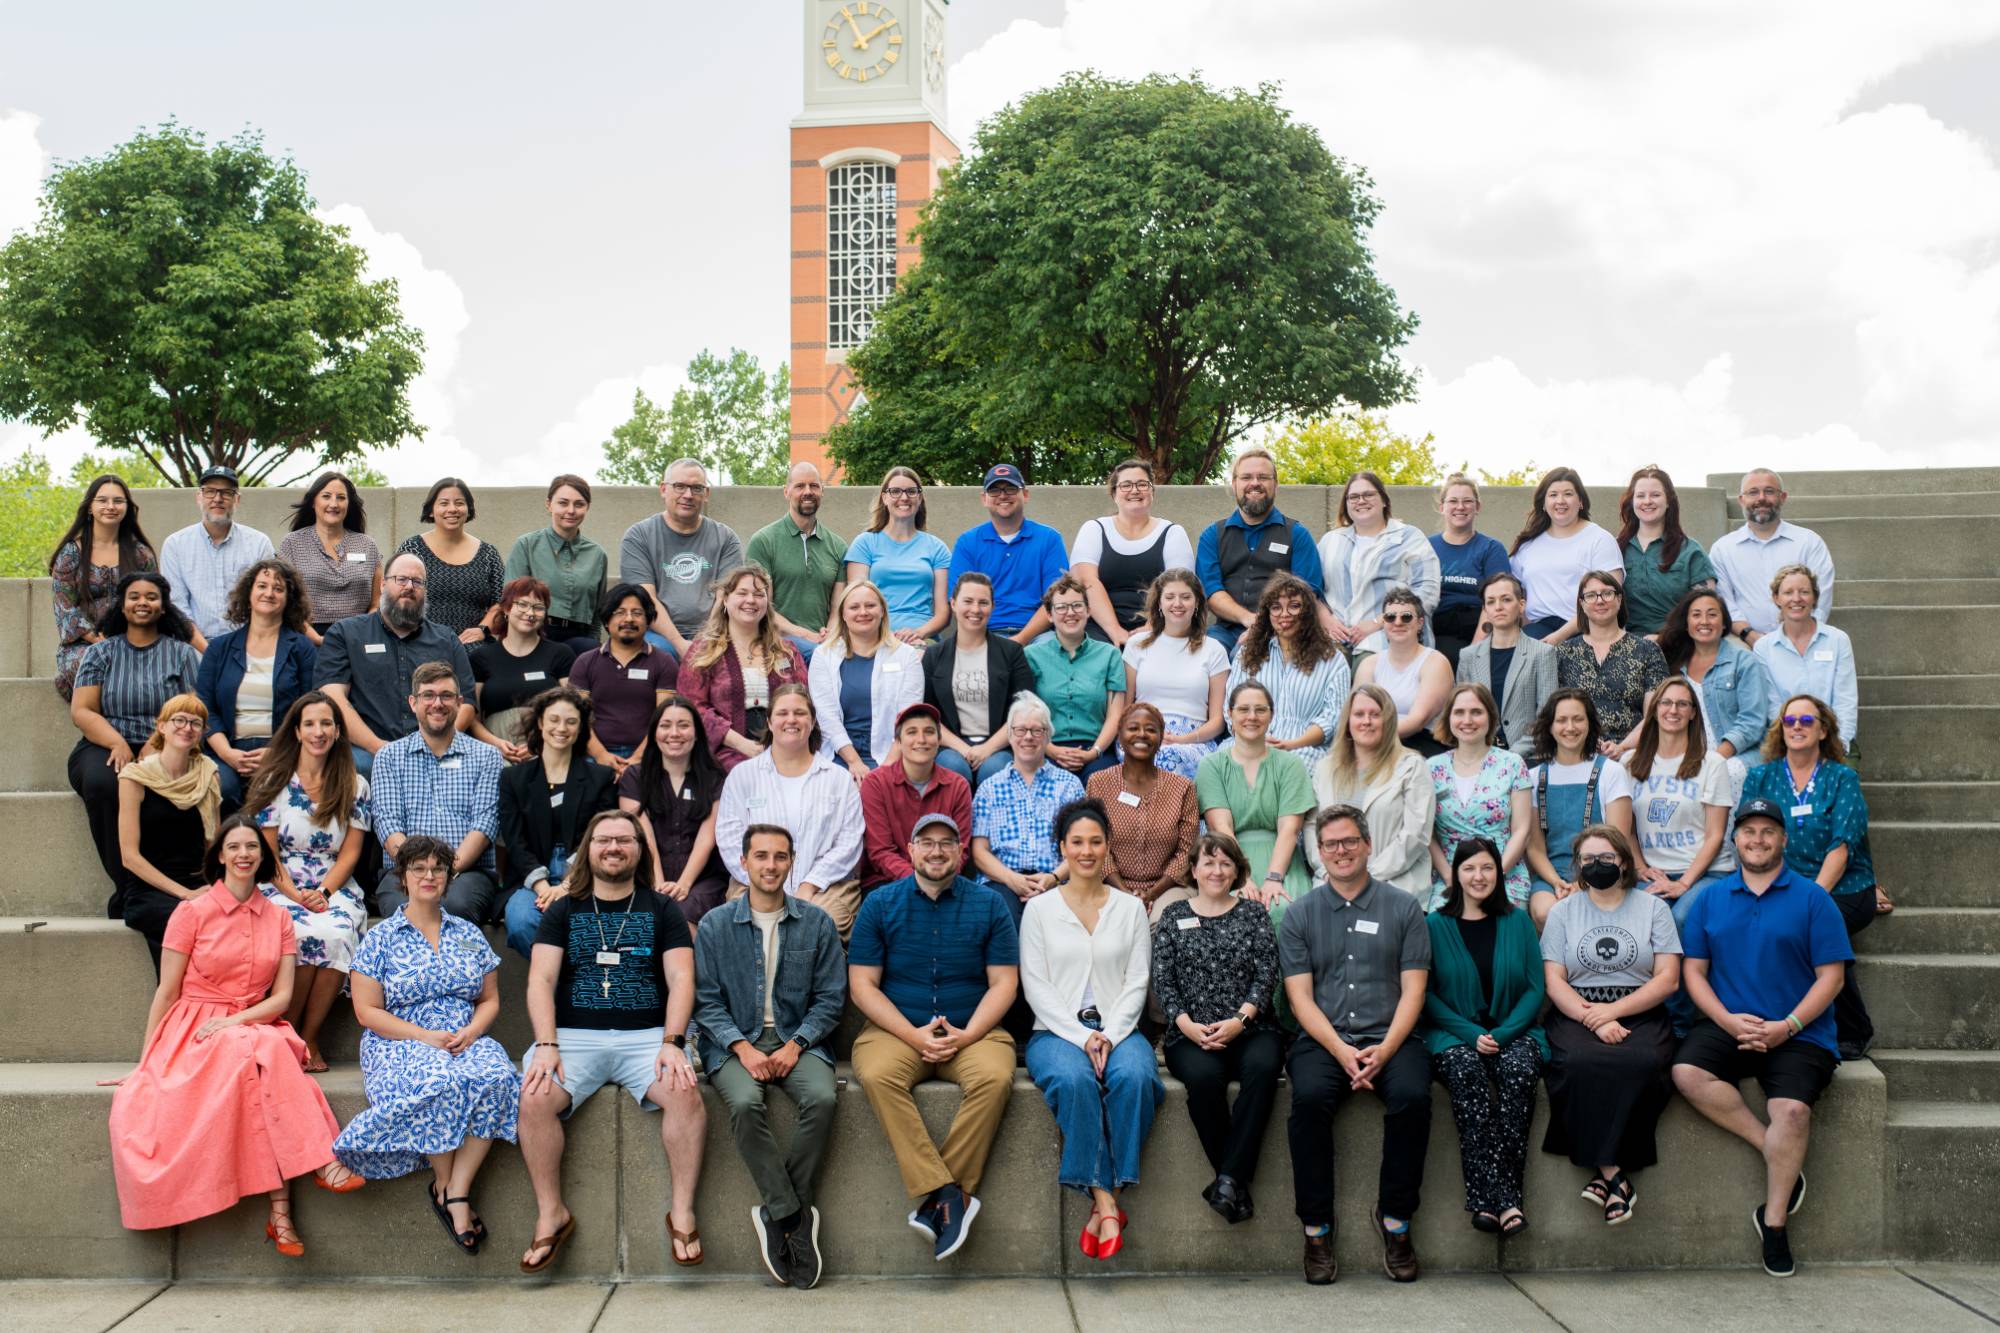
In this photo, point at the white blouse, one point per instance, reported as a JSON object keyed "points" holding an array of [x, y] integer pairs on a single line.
{"points": [[1062, 963]]}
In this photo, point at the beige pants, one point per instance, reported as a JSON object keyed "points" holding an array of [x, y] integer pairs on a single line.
{"points": [[840, 901], [984, 1071]]}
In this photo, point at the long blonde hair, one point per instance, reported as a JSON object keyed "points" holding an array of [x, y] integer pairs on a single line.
{"points": [[713, 641], [883, 634], [1342, 766]]}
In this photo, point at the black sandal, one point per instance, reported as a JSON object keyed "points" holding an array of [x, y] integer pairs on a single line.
{"points": [[1486, 1222], [1620, 1196], [1513, 1226], [1595, 1190], [467, 1240]]}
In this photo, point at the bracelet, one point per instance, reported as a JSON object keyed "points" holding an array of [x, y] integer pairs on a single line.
{"points": [[1796, 1026], [551, 1045]]}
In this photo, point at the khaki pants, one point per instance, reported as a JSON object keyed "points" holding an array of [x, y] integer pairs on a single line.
{"points": [[888, 1069], [841, 901]]}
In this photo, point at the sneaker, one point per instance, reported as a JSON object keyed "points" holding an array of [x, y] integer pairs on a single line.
{"points": [[924, 1217], [1777, 1246], [802, 1251], [771, 1245], [1798, 1195], [955, 1211]]}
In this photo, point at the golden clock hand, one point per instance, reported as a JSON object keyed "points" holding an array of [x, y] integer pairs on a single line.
{"points": [[860, 42], [876, 30]]}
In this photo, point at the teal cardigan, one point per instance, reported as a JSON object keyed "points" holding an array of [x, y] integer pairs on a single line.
{"points": [[1518, 988]]}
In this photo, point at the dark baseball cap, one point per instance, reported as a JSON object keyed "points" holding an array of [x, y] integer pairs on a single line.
{"points": [[1003, 474], [217, 472], [1759, 808], [934, 817]]}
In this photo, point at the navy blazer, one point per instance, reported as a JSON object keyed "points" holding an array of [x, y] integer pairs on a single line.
{"points": [[221, 675]]}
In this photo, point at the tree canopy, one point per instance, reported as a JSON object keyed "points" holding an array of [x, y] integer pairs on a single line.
{"points": [[182, 301], [730, 416], [1148, 269]]}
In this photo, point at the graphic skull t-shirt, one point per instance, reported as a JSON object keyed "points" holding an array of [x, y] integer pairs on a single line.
{"points": [[1600, 948]]}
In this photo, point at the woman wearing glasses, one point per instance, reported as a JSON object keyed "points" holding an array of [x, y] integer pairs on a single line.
{"points": [[1417, 677], [169, 802], [512, 669], [1615, 667], [908, 564], [1118, 557]]}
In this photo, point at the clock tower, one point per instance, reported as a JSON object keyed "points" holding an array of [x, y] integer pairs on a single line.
{"points": [[866, 153]]}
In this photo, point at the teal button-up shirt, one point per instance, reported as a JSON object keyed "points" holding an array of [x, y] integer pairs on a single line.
{"points": [[1077, 688]]}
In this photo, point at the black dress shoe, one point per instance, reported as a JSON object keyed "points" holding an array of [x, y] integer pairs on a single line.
{"points": [[1228, 1197]]}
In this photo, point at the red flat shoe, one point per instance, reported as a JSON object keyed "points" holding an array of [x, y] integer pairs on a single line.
{"points": [[1087, 1242], [1107, 1249]]}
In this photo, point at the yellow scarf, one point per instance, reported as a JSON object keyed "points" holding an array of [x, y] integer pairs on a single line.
{"points": [[198, 788]]}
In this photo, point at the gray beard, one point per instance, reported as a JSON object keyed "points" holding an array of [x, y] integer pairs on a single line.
{"points": [[400, 620]]}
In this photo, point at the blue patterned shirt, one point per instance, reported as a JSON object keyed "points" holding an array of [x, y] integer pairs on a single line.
{"points": [[433, 988], [1018, 821], [445, 796]]}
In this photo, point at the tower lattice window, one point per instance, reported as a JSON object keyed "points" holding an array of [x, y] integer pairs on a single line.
{"points": [[860, 249]]}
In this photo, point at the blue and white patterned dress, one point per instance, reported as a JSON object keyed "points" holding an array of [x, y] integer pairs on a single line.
{"points": [[309, 849], [422, 1100]]}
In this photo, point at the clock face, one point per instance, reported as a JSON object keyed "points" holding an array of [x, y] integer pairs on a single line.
{"points": [[862, 41]]}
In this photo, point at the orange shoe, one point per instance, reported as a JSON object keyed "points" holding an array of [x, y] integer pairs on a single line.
{"points": [[337, 1179], [279, 1231]]}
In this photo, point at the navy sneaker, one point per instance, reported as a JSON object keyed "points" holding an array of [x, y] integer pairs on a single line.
{"points": [[771, 1245], [924, 1217], [1777, 1246], [802, 1251], [1798, 1195], [955, 1211]]}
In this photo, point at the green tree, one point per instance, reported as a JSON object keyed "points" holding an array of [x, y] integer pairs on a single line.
{"points": [[1525, 475], [1328, 450], [730, 416], [34, 510], [1148, 268], [184, 304]]}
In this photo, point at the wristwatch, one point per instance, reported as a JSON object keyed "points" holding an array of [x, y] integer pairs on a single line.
{"points": [[679, 1040], [799, 1041]]}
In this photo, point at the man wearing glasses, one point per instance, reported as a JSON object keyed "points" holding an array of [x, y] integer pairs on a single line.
{"points": [[202, 561], [368, 661], [439, 782], [677, 555]]}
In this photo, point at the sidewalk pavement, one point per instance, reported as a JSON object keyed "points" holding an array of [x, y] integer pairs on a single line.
{"points": [[1937, 1298]]}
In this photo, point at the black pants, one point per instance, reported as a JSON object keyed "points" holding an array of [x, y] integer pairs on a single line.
{"points": [[1231, 1140], [1852, 1026], [1319, 1086], [147, 910], [91, 778], [580, 636], [1492, 1131]]}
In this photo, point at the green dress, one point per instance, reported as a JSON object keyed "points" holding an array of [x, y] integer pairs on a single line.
{"points": [[1283, 788]]}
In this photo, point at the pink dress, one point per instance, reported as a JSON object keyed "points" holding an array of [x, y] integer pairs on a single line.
{"points": [[200, 1124]]}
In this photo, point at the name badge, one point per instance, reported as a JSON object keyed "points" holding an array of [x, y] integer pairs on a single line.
{"points": [[608, 958], [1368, 927], [638, 673], [465, 946], [688, 794], [887, 667], [1822, 654], [555, 799], [1278, 548], [374, 647], [451, 761], [356, 557], [1188, 922], [534, 675], [756, 803], [1128, 798], [1801, 811]]}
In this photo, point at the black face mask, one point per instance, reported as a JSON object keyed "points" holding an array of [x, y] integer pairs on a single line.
{"points": [[1601, 874]]}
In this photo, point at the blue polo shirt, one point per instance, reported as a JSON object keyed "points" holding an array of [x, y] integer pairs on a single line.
{"points": [[1021, 570], [934, 955], [1762, 949]]}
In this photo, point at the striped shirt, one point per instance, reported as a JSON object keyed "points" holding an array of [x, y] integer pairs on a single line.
{"points": [[1018, 821], [203, 572], [823, 815], [135, 682], [340, 584], [1299, 699], [412, 791]]}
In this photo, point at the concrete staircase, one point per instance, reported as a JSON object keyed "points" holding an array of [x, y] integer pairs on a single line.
{"points": [[1896, 1142]]}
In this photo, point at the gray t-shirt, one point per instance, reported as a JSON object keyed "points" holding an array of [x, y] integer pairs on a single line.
{"points": [[1600, 948], [680, 567], [970, 691], [1356, 953]]}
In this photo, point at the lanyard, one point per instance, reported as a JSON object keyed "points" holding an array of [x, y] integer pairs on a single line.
{"points": [[1802, 796]]}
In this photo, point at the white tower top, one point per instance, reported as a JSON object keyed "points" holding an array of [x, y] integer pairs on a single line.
{"points": [[873, 62]]}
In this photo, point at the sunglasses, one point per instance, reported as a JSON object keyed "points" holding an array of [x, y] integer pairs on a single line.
{"points": [[1398, 617], [1800, 719]]}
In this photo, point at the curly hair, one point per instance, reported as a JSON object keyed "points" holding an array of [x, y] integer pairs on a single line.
{"points": [[1310, 644], [298, 602]]}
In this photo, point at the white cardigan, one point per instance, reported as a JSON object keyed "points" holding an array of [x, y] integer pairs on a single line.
{"points": [[1058, 956], [896, 682], [826, 840], [1400, 810]]}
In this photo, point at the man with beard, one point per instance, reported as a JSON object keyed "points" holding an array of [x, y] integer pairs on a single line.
{"points": [[610, 993], [442, 783], [202, 561], [806, 561], [1236, 555], [625, 677], [677, 555], [1766, 955], [368, 661], [1746, 559]]}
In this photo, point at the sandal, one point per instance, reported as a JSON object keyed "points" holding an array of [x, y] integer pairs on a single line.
{"points": [[689, 1241], [1884, 904], [280, 1232], [468, 1240], [552, 1243], [1486, 1222], [1596, 1190], [1619, 1198], [1514, 1225]]}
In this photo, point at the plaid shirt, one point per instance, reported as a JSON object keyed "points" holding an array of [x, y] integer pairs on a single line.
{"points": [[445, 796], [1018, 821]]}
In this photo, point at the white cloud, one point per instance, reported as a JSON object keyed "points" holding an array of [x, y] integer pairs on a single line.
{"points": [[23, 163], [578, 440]]}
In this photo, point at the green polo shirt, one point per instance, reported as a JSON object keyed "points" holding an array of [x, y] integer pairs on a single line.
{"points": [[804, 567], [1077, 689], [1650, 594], [574, 571]]}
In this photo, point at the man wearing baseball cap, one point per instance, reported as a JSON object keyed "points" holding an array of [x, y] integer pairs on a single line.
{"points": [[203, 560], [1766, 952], [1021, 557], [933, 965]]}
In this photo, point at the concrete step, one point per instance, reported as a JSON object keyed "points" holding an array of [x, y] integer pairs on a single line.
{"points": [[65, 1223], [1866, 482], [1933, 930], [41, 737], [1937, 1001], [1959, 742], [1934, 504], [51, 868], [1940, 1076], [1914, 592], [1936, 864], [1926, 691], [1948, 802], [1936, 1151], [1879, 548], [1923, 641]]}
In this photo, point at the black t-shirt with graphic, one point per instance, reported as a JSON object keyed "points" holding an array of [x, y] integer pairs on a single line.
{"points": [[631, 994]]}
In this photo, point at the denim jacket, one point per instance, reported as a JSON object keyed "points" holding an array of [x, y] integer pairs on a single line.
{"points": [[1737, 696], [807, 999]]}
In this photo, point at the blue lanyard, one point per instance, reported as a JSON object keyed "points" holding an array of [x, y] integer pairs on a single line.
{"points": [[1799, 795]]}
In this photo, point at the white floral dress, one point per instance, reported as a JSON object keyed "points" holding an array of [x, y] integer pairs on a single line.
{"points": [[309, 849]]}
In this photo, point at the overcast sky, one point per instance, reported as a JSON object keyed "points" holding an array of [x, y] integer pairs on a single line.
{"points": [[1687, 231]]}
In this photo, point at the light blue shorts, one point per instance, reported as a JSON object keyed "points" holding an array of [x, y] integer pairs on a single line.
{"points": [[593, 1057]]}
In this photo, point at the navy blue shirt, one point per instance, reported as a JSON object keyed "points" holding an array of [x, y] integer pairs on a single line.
{"points": [[1021, 570], [1465, 567], [1762, 949], [934, 955]]}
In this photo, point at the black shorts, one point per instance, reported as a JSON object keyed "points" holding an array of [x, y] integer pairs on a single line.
{"points": [[1799, 1069]]}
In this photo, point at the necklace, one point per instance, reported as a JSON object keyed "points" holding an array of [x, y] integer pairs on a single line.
{"points": [[607, 953]]}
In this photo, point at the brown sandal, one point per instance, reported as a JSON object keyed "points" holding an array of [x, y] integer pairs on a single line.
{"points": [[689, 1240], [554, 1243]]}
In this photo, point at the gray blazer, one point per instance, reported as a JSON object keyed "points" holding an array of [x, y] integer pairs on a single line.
{"points": [[1531, 679]]}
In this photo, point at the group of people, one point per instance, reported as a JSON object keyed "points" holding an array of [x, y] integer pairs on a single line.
{"points": [[1102, 774]]}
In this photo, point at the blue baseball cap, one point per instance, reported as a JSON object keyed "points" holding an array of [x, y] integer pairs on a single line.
{"points": [[1003, 474]]}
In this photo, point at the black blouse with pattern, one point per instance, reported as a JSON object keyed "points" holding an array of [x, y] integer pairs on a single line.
{"points": [[1211, 970]]}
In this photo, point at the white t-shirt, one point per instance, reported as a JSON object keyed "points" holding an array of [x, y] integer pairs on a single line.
{"points": [[1088, 548], [767, 927], [1551, 568], [972, 692], [1173, 679], [1671, 817], [1612, 783], [792, 799]]}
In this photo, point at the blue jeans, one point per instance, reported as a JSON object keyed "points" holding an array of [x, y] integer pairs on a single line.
{"points": [[523, 919], [364, 762], [233, 783], [805, 647], [1103, 1123], [1226, 635], [995, 763]]}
